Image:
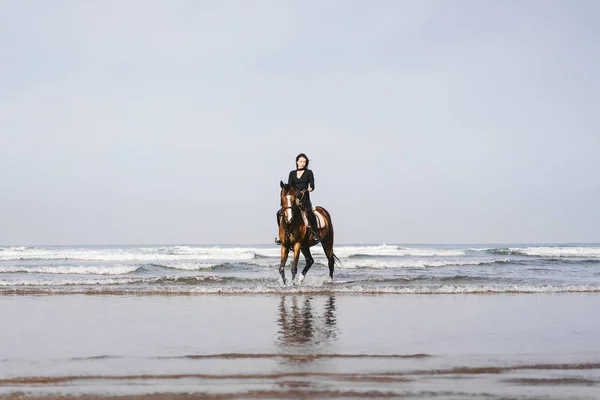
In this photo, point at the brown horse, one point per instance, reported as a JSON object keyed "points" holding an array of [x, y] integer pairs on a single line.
{"points": [[295, 235]]}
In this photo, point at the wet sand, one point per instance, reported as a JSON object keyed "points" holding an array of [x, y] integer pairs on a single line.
{"points": [[300, 346]]}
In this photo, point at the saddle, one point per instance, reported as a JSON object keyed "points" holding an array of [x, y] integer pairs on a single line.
{"points": [[318, 216]]}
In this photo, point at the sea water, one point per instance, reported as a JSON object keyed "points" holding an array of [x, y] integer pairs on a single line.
{"points": [[439, 321]]}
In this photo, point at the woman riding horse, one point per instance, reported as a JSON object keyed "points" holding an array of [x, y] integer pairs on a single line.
{"points": [[303, 181], [294, 233]]}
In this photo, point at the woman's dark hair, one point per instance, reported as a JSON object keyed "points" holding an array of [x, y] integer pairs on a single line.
{"points": [[303, 156]]}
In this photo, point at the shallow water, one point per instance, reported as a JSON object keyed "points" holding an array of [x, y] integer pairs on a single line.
{"points": [[440, 321], [298, 345], [363, 269]]}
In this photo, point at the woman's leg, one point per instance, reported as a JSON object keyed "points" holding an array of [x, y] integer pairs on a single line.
{"points": [[312, 220]]}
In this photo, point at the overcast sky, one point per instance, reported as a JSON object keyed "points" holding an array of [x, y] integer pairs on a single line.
{"points": [[172, 122]]}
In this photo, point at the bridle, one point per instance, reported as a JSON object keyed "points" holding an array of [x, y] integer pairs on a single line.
{"points": [[291, 204]]}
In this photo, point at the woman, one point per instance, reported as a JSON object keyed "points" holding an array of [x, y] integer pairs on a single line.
{"points": [[304, 182]]}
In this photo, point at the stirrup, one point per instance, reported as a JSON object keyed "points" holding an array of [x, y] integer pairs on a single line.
{"points": [[277, 240], [316, 239]]}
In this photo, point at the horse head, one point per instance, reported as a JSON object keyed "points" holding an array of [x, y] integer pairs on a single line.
{"points": [[288, 202]]}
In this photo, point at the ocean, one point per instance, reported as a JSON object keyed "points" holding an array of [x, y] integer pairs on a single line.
{"points": [[398, 321], [364, 269]]}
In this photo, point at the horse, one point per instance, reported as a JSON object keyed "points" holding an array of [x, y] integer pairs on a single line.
{"points": [[294, 234], [300, 321]]}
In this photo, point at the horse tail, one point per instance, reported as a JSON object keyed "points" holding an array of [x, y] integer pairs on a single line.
{"points": [[327, 242], [337, 260]]}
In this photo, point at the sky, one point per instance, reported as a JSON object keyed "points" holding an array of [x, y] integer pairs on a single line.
{"points": [[173, 122]]}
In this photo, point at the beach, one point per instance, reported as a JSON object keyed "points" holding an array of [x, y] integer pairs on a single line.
{"points": [[159, 157], [398, 321], [301, 346]]}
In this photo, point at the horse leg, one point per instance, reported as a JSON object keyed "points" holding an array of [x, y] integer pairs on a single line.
{"points": [[295, 262], [309, 262], [327, 244], [284, 255]]}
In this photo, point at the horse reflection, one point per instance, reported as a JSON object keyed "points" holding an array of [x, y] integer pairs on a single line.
{"points": [[300, 325]]}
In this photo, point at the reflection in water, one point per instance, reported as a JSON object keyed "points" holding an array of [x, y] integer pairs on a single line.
{"points": [[305, 321]]}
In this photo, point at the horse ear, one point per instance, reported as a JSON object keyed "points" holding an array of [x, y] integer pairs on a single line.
{"points": [[281, 184], [292, 186]]}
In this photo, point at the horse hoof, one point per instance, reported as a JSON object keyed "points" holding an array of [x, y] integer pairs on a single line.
{"points": [[301, 278]]}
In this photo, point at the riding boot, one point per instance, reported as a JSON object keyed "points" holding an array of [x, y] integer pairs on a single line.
{"points": [[316, 239], [314, 227]]}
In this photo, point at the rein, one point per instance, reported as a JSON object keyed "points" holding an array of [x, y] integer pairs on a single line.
{"points": [[283, 213], [297, 203]]}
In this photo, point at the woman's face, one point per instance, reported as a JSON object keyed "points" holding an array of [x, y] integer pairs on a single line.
{"points": [[301, 163]]}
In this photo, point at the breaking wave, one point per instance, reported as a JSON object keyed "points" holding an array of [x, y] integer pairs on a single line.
{"points": [[549, 252], [72, 269], [308, 289], [412, 263]]}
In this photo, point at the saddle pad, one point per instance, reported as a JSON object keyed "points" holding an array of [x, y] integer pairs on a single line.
{"points": [[320, 218]]}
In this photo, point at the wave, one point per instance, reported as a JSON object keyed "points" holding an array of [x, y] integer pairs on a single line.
{"points": [[73, 269], [316, 289], [204, 253], [398, 251], [123, 269], [71, 282], [236, 280], [383, 264], [405, 281], [549, 252], [175, 253], [147, 254], [120, 281], [193, 266], [260, 263]]}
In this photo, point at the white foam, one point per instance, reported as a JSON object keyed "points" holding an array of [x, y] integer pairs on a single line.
{"points": [[199, 253], [107, 283], [69, 282], [191, 253], [75, 270], [373, 250], [146, 254], [190, 266], [474, 289], [587, 252], [411, 263], [387, 250], [324, 287]]}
